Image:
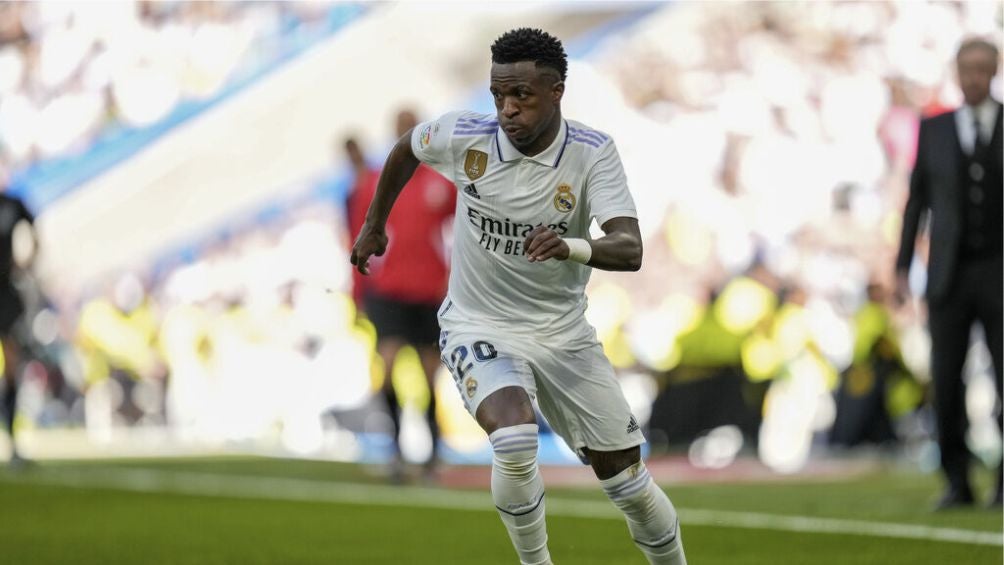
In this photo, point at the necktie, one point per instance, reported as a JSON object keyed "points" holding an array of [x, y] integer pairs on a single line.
{"points": [[979, 146]]}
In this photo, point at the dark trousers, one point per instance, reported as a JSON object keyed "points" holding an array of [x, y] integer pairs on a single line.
{"points": [[975, 296]]}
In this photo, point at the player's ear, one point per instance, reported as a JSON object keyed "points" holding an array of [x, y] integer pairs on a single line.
{"points": [[557, 91]]}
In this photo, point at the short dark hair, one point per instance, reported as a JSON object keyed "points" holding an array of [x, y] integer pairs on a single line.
{"points": [[529, 44], [978, 43]]}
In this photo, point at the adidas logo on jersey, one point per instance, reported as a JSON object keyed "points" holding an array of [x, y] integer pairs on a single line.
{"points": [[469, 190], [632, 425]]}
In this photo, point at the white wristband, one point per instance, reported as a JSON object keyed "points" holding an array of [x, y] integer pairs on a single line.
{"points": [[579, 250]]}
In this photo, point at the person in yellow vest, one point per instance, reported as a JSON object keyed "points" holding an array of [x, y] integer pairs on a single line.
{"points": [[877, 386]]}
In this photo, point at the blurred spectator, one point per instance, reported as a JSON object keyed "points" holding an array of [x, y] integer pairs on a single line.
{"points": [[259, 339], [18, 245], [119, 336], [957, 178], [716, 380], [799, 398], [402, 295], [877, 386]]}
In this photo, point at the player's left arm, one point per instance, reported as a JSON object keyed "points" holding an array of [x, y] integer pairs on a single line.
{"points": [[620, 248], [609, 202]]}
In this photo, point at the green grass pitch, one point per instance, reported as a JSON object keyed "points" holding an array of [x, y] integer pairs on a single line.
{"points": [[270, 511]]}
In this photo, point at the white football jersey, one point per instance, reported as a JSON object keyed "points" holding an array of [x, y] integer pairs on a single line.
{"points": [[504, 194]]}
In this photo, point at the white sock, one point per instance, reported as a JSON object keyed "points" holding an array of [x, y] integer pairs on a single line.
{"points": [[651, 517], [519, 491]]}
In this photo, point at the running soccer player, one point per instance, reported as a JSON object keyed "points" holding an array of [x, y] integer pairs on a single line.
{"points": [[513, 324]]}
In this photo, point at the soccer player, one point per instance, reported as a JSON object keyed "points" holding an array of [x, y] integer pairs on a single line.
{"points": [[513, 325], [12, 214], [403, 294]]}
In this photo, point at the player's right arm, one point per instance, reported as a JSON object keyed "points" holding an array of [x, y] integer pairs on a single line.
{"points": [[372, 240], [428, 143]]}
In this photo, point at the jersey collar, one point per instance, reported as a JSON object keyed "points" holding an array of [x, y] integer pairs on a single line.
{"points": [[549, 157]]}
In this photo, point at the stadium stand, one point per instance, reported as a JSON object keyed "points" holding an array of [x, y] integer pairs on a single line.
{"points": [[768, 147]]}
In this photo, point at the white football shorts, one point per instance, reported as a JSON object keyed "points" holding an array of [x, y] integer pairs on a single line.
{"points": [[576, 391]]}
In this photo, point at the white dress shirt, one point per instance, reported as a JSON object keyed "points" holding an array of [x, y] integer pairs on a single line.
{"points": [[965, 120]]}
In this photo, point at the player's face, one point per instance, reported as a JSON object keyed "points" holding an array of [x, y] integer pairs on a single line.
{"points": [[977, 68], [527, 102]]}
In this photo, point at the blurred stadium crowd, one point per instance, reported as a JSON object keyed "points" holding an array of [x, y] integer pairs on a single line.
{"points": [[70, 72], [768, 147]]}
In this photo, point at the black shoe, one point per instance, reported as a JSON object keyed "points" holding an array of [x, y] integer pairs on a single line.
{"points": [[955, 498]]}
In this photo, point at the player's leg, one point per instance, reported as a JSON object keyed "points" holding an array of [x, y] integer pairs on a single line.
{"points": [[497, 387], [651, 517], [507, 416], [594, 418]]}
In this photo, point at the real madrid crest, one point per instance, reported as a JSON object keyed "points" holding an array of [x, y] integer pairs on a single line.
{"points": [[472, 387], [564, 200], [475, 164]]}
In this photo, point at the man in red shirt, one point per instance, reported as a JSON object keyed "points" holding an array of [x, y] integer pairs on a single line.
{"points": [[407, 284]]}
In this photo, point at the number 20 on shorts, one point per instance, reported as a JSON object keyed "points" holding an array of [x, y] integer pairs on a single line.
{"points": [[458, 364]]}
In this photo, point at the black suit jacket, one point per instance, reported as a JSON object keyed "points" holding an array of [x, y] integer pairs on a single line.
{"points": [[934, 186]]}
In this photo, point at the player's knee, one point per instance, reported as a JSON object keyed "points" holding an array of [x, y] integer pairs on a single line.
{"points": [[509, 406], [607, 464], [514, 449]]}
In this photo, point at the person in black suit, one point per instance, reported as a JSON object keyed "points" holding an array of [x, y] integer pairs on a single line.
{"points": [[957, 177]]}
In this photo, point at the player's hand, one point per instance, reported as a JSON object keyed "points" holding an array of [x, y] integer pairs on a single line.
{"points": [[371, 241], [543, 243]]}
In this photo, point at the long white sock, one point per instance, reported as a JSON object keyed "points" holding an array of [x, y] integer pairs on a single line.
{"points": [[651, 517], [519, 491]]}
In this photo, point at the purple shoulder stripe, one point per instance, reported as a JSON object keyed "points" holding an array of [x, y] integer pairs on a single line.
{"points": [[589, 133], [586, 140], [484, 120], [476, 126], [469, 132], [464, 127]]}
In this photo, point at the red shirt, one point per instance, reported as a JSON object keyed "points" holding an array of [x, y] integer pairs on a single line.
{"points": [[415, 267]]}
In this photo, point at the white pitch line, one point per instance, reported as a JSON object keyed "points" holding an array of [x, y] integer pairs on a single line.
{"points": [[272, 488]]}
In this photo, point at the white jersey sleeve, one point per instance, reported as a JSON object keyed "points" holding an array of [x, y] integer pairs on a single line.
{"points": [[431, 142], [607, 194]]}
